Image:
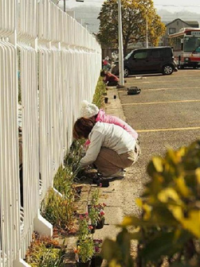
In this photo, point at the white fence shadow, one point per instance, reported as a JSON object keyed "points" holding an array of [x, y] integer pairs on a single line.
{"points": [[52, 62]]}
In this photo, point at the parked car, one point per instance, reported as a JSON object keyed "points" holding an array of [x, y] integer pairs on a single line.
{"points": [[148, 60]]}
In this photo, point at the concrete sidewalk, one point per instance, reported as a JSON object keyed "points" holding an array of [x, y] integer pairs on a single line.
{"points": [[121, 194], [119, 197]]}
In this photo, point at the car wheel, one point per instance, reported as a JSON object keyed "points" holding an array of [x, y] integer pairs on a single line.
{"points": [[167, 70], [126, 72]]}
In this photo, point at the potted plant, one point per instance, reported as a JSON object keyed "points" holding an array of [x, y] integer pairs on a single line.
{"points": [[94, 197], [97, 259], [101, 215], [84, 229], [84, 252], [94, 217], [85, 245]]}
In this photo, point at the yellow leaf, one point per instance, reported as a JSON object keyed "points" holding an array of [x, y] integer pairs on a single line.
{"points": [[127, 221], [139, 202], [169, 194], [114, 263], [147, 210], [192, 223], [176, 211], [182, 187], [197, 172], [157, 162]]}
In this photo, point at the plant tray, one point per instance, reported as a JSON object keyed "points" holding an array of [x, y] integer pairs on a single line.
{"points": [[134, 90]]}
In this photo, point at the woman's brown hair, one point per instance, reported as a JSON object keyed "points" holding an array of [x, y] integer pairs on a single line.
{"points": [[82, 128]]}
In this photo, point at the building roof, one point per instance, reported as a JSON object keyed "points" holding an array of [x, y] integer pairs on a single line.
{"points": [[189, 23], [193, 23]]}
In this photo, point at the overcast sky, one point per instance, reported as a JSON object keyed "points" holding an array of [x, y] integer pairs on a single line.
{"points": [[177, 8], [178, 5], [170, 5]]}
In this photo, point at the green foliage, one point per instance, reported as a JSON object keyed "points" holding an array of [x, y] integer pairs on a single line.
{"points": [[96, 210], [58, 210], [73, 157], [93, 211], [135, 13], [98, 98], [169, 227], [93, 215], [94, 197], [83, 232], [117, 252], [45, 252], [85, 245], [85, 249], [63, 181]]}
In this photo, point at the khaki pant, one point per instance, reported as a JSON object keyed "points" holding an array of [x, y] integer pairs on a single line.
{"points": [[109, 162]]}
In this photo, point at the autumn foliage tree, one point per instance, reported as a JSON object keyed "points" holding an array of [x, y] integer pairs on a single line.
{"points": [[135, 16]]}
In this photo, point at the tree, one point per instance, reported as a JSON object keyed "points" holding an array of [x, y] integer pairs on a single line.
{"points": [[135, 14]]}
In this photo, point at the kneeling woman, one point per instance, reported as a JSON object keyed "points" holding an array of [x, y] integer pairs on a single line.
{"points": [[111, 148]]}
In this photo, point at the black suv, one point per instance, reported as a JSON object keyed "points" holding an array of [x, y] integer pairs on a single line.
{"points": [[148, 60]]}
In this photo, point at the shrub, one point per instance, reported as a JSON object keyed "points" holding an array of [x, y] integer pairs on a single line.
{"points": [[169, 228]]}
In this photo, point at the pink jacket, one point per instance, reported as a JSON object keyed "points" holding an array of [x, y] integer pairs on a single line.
{"points": [[102, 117]]}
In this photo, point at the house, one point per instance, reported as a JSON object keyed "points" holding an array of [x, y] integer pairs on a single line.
{"points": [[175, 26]]}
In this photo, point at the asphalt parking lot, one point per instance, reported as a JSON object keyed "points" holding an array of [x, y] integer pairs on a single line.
{"points": [[165, 113]]}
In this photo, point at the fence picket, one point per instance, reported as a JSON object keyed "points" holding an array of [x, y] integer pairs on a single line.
{"points": [[54, 64]]}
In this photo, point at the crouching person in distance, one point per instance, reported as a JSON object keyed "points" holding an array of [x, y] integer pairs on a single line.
{"points": [[111, 148]]}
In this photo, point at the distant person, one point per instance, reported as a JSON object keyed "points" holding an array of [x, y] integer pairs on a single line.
{"points": [[109, 78], [106, 64]]}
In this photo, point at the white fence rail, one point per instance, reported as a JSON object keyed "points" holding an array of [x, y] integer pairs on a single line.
{"points": [[54, 63]]}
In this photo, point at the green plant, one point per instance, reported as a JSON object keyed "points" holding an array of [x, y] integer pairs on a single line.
{"points": [[94, 197], [84, 230], [100, 207], [169, 228], [45, 252], [93, 215], [85, 250], [96, 213], [98, 98], [58, 210], [85, 245], [97, 245], [63, 182]]}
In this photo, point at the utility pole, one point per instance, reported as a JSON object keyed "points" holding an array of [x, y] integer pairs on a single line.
{"points": [[120, 45], [147, 37], [64, 5]]}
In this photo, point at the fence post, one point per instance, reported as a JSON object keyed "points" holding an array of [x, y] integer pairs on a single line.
{"points": [[19, 262]]}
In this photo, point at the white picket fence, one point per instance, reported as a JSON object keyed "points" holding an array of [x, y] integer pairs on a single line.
{"points": [[55, 62]]}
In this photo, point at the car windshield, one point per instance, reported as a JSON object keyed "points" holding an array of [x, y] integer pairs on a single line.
{"points": [[129, 54]]}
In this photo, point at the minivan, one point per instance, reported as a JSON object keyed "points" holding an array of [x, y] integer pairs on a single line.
{"points": [[148, 60]]}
